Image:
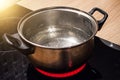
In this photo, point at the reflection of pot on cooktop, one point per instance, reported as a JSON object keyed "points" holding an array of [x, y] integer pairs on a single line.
{"points": [[105, 61]]}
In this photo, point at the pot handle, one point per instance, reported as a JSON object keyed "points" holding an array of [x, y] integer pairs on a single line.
{"points": [[16, 42], [102, 21]]}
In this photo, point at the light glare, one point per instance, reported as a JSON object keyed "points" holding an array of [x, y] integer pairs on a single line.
{"points": [[6, 3]]}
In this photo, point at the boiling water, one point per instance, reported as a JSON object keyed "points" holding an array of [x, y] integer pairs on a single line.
{"points": [[60, 37]]}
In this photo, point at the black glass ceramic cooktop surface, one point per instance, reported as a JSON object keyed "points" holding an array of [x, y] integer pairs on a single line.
{"points": [[103, 65]]}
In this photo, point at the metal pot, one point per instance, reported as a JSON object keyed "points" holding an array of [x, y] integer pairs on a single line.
{"points": [[57, 39]]}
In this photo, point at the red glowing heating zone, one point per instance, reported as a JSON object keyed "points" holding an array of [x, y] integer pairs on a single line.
{"points": [[62, 75]]}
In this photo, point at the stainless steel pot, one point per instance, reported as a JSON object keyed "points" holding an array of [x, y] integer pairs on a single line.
{"points": [[57, 39]]}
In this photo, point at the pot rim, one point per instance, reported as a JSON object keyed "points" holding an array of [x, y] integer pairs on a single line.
{"points": [[71, 9]]}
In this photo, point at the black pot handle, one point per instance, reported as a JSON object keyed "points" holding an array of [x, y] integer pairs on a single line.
{"points": [[16, 42], [102, 21]]}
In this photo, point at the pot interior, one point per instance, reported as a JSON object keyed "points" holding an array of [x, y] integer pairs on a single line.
{"points": [[57, 28]]}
